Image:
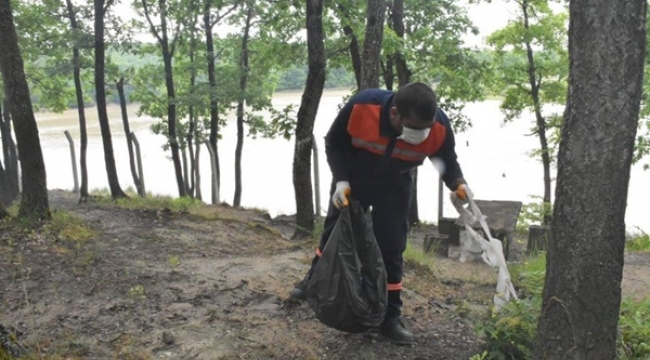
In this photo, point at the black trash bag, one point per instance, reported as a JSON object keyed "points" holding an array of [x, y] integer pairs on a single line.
{"points": [[347, 288]]}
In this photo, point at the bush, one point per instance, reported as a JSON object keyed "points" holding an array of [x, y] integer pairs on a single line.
{"points": [[634, 330], [510, 333]]}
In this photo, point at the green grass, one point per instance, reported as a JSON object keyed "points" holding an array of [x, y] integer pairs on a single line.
{"points": [[638, 243], [418, 256], [134, 201], [529, 275]]}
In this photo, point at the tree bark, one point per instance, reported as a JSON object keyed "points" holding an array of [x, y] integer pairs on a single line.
{"points": [[310, 101], [9, 189], [129, 141], [100, 91], [83, 146], [34, 200], [376, 12], [243, 79], [582, 292], [539, 119], [214, 108]]}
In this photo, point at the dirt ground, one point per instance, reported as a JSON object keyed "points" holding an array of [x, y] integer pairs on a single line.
{"points": [[168, 285]]}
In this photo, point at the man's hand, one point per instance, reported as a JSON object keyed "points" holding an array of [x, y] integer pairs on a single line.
{"points": [[341, 194], [463, 192]]}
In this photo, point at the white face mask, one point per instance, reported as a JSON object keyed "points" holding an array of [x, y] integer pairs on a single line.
{"points": [[414, 136]]}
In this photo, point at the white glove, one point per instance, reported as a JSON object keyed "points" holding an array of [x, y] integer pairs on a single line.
{"points": [[340, 197], [462, 194]]}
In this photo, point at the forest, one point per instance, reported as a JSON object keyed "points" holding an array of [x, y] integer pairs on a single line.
{"points": [[188, 64]]}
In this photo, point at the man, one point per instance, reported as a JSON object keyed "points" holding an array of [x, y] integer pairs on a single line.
{"points": [[375, 141]]}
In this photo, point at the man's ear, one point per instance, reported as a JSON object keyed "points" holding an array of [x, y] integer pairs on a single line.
{"points": [[393, 112]]}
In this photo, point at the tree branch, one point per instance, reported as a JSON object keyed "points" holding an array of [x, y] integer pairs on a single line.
{"points": [[106, 6], [153, 27], [221, 17]]}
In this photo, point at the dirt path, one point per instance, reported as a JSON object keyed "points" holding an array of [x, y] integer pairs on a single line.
{"points": [[165, 285]]}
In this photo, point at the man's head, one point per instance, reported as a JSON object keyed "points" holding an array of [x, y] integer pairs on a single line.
{"points": [[414, 108]]}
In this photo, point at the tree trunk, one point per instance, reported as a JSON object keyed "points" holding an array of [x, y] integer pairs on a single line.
{"points": [[403, 78], [197, 161], [582, 292], [214, 108], [167, 54], [129, 141], [76, 62], [34, 200], [3, 211], [171, 97], [388, 72], [191, 183], [100, 91], [243, 67], [540, 120], [4, 194], [376, 12], [310, 101], [355, 52], [9, 190]]}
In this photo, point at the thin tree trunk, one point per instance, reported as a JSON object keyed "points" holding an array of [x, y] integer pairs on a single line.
{"points": [[34, 200], [191, 183], [81, 107], [138, 156], [198, 193], [171, 96], [167, 54], [388, 72], [403, 78], [100, 91], [214, 108], [3, 211], [240, 107], [540, 120], [9, 185], [376, 12], [355, 52], [213, 166], [129, 141], [311, 96], [582, 290]]}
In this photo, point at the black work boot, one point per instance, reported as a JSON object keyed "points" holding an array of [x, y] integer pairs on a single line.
{"points": [[299, 292], [395, 330]]}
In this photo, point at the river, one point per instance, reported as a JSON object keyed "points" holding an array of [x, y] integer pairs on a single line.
{"points": [[494, 158]]}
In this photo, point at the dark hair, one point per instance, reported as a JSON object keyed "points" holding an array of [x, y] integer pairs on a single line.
{"points": [[418, 100]]}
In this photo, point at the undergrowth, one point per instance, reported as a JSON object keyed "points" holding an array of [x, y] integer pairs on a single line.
{"points": [[510, 333]]}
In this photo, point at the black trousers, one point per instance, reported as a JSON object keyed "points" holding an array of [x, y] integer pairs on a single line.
{"points": [[390, 204]]}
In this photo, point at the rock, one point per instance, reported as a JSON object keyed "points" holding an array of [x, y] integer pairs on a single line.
{"points": [[167, 338]]}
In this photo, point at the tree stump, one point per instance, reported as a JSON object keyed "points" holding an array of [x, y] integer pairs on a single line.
{"points": [[538, 236], [437, 243]]}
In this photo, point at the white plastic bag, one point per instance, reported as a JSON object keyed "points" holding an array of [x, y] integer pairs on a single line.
{"points": [[491, 250]]}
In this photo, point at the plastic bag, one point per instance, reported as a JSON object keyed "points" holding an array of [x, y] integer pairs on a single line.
{"points": [[347, 288], [491, 250]]}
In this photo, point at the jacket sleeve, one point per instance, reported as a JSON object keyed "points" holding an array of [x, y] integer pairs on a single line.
{"points": [[452, 175], [338, 145]]}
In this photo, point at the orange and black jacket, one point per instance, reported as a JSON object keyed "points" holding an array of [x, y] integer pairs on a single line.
{"points": [[362, 147]]}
